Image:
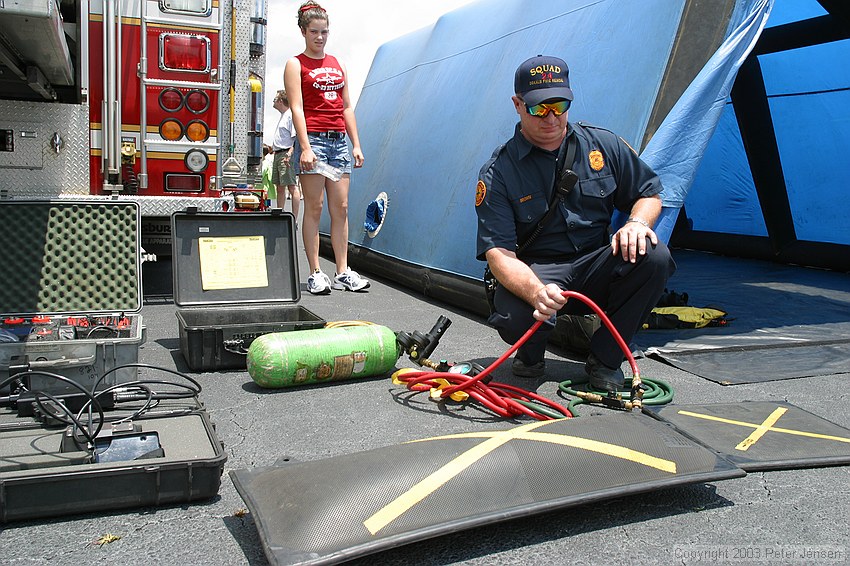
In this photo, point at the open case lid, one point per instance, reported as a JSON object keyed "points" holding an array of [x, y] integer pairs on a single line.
{"points": [[227, 258], [70, 257]]}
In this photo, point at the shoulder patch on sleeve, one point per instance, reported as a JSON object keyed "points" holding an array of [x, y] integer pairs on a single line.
{"points": [[480, 192], [486, 173]]}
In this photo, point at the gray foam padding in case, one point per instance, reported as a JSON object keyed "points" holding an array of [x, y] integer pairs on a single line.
{"points": [[69, 257]]}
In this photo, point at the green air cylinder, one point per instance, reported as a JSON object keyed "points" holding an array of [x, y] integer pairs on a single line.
{"points": [[286, 359]]}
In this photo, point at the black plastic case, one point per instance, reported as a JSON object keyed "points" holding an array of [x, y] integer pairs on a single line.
{"points": [[74, 264], [72, 270], [38, 479], [235, 278]]}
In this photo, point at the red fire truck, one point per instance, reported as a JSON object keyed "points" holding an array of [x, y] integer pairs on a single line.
{"points": [[158, 101]]}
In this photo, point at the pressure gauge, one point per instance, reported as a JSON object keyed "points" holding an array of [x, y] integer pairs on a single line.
{"points": [[467, 368]]}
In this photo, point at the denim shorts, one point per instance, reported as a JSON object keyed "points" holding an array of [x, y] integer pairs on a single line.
{"points": [[334, 152]]}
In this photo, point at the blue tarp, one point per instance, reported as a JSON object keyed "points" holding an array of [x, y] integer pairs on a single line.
{"points": [[437, 102], [808, 90], [677, 148]]}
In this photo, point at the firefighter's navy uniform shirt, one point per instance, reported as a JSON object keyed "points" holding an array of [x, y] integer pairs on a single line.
{"points": [[515, 186]]}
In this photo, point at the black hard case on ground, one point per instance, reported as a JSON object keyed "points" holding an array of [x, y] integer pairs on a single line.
{"points": [[37, 480], [68, 261], [235, 278]]}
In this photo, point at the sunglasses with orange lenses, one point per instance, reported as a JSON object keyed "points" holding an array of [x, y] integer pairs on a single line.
{"points": [[541, 110]]}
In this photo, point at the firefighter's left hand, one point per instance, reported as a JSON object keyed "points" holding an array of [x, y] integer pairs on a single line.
{"points": [[630, 241]]}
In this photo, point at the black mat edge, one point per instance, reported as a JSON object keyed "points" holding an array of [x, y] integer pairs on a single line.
{"points": [[724, 469], [750, 465]]}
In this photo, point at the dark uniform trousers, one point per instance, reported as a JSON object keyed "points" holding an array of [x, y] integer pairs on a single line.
{"points": [[627, 292]]}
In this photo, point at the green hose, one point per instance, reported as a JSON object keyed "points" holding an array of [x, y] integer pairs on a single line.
{"points": [[657, 392], [541, 409]]}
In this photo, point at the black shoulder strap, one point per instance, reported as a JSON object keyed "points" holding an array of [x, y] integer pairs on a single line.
{"points": [[569, 159], [566, 156]]}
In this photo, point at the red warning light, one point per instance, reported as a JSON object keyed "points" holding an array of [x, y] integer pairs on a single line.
{"points": [[179, 52]]}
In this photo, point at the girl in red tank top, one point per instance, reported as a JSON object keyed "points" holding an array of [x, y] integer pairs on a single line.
{"points": [[322, 81], [324, 124]]}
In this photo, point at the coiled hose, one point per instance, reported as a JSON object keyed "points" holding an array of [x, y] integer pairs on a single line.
{"points": [[509, 401]]}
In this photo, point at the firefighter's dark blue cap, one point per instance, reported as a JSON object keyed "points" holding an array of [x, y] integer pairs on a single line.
{"points": [[542, 78]]}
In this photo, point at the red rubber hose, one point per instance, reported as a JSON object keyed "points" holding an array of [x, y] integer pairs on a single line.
{"points": [[507, 400]]}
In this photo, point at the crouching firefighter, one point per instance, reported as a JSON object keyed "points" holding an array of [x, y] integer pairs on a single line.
{"points": [[544, 202]]}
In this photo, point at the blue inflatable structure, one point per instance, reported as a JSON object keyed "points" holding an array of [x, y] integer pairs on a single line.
{"points": [[772, 181], [735, 104]]}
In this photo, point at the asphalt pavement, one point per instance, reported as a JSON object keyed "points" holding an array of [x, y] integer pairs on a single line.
{"points": [[779, 517]]}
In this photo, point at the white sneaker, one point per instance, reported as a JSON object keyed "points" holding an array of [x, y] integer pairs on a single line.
{"points": [[350, 280], [319, 284]]}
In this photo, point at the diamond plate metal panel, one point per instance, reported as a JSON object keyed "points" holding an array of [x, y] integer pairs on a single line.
{"points": [[35, 169], [163, 206], [246, 64]]}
